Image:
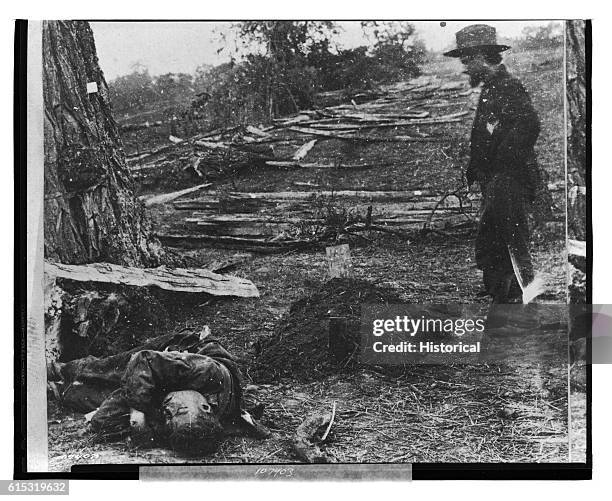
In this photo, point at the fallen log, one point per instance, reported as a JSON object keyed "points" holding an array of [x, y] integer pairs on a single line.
{"points": [[241, 219], [363, 118], [452, 86], [256, 131], [212, 141], [303, 165], [219, 159], [454, 117], [270, 227], [217, 134], [374, 195], [266, 234], [151, 153], [373, 117], [253, 219], [141, 126], [346, 136], [243, 230], [282, 122], [297, 200], [263, 246], [178, 279], [224, 203], [150, 200], [212, 145], [329, 119], [307, 184], [203, 208], [426, 86], [137, 169], [255, 148], [304, 149]]}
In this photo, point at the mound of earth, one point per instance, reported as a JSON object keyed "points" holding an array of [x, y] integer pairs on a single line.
{"points": [[299, 347]]}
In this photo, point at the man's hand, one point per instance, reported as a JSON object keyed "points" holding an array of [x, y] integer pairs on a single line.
{"points": [[141, 434], [469, 180], [138, 422]]}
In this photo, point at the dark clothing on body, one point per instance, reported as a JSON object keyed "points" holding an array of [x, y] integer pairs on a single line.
{"points": [[106, 373], [141, 378], [503, 162]]}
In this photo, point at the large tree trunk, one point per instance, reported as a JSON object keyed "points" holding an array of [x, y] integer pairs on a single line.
{"points": [[576, 92], [91, 213], [580, 314], [576, 153], [576, 98], [576, 128]]}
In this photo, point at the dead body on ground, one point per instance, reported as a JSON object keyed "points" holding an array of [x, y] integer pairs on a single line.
{"points": [[183, 389]]}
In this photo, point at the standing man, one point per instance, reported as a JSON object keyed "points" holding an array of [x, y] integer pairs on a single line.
{"points": [[502, 161]]}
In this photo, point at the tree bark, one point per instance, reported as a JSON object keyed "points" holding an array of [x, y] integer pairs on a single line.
{"points": [[576, 98], [576, 128], [580, 316], [91, 212]]}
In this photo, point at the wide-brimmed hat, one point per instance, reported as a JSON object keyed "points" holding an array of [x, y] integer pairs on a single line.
{"points": [[476, 38]]}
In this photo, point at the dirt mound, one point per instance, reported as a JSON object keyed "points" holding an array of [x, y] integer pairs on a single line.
{"points": [[299, 347]]}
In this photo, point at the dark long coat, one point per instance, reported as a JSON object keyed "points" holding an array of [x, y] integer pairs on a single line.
{"points": [[503, 162]]}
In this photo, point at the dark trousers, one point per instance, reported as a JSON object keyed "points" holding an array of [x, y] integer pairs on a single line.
{"points": [[503, 228]]}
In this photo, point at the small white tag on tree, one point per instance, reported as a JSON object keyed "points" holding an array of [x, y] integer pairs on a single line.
{"points": [[92, 87]]}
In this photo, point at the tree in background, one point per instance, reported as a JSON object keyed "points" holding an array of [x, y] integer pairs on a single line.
{"points": [[138, 91], [277, 67], [299, 58], [288, 82], [283, 41], [134, 92], [385, 33], [235, 95], [201, 76], [542, 37], [174, 87], [396, 48]]}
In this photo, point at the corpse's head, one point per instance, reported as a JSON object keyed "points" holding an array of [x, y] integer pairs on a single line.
{"points": [[480, 64], [190, 422]]}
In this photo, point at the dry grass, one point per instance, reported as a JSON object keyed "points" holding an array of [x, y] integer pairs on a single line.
{"points": [[429, 414]]}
